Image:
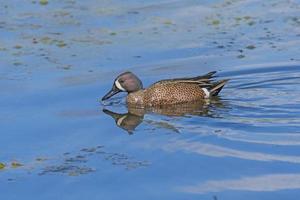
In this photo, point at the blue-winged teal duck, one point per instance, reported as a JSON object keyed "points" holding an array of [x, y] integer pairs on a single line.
{"points": [[165, 92]]}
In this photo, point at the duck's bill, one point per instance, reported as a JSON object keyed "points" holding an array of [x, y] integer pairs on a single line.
{"points": [[111, 93]]}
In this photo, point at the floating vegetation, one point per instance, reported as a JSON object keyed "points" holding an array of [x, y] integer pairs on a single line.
{"points": [[50, 41], [251, 23], [295, 20], [46, 40], [16, 164], [238, 18], [61, 43], [250, 47], [92, 149], [106, 11], [66, 67], [41, 159], [78, 163], [18, 47], [215, 22], [164, 21], [168, 22], [78, 158], [247, 17], [2, 166], [17, 63], [71, 170], [44, 2]]}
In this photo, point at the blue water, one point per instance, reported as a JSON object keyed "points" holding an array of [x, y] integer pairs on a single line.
{"points": [[59, 59]]}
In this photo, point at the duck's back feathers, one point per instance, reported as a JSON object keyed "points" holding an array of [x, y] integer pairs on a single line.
{"points": [[203, 80]]}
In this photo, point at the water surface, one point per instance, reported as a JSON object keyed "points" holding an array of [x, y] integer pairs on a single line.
{"points": [[59, 142]]}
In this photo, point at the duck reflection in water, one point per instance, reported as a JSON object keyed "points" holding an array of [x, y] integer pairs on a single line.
{"points": [[135, 115]]}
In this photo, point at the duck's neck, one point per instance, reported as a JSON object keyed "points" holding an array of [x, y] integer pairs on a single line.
{"points": [[136, 98]]}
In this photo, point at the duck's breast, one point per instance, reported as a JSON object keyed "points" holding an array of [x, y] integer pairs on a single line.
{"points": [[136, 98]]}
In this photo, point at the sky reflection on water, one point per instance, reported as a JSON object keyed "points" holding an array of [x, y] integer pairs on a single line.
{"points": [[58, 59]]}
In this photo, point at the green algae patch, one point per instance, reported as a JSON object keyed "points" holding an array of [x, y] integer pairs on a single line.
{"points": [[238, 19], [215, 22], [45, 40], [16, 164], [73, 174], [44, 2], [61, 43], [168, 22], [18, 47], [51, 41], [2, 166]]}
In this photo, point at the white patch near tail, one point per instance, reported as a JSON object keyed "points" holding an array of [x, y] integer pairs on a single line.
{"points": [[119, 122], [119, 86], [207, 93]]}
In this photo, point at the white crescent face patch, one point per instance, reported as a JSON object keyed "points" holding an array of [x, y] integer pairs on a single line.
{"points": [[119, 86]]}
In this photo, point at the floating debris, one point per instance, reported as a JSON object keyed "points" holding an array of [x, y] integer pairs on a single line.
{"points": [[18, 47], [215, 22], [50, 41], [40, 159], [16, 164], [17, 63], [70, 170], [44, 2], [168, 22], [2, 166], [250, 47], [61, 43], [92, 149]]}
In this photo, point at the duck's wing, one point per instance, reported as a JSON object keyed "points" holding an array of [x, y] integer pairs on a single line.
{"points": [[203, 80]]}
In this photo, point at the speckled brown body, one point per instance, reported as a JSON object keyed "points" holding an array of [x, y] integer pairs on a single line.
{"points": [[166, 93]]}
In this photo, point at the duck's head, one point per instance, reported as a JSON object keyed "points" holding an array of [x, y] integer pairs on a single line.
{"points": [[125, 82]]}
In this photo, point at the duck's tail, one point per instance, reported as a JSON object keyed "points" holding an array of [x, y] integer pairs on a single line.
{"points": [[216, 87]]}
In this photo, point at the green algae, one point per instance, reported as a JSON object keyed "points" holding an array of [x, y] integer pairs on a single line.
{"points": [[44, 2], [18, 46], [61, 43], [2, 165], [51, 41], [215, 22], [16, 164]]}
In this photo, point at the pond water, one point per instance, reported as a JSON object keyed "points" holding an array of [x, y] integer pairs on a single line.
{"points": [[59, 57]]}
